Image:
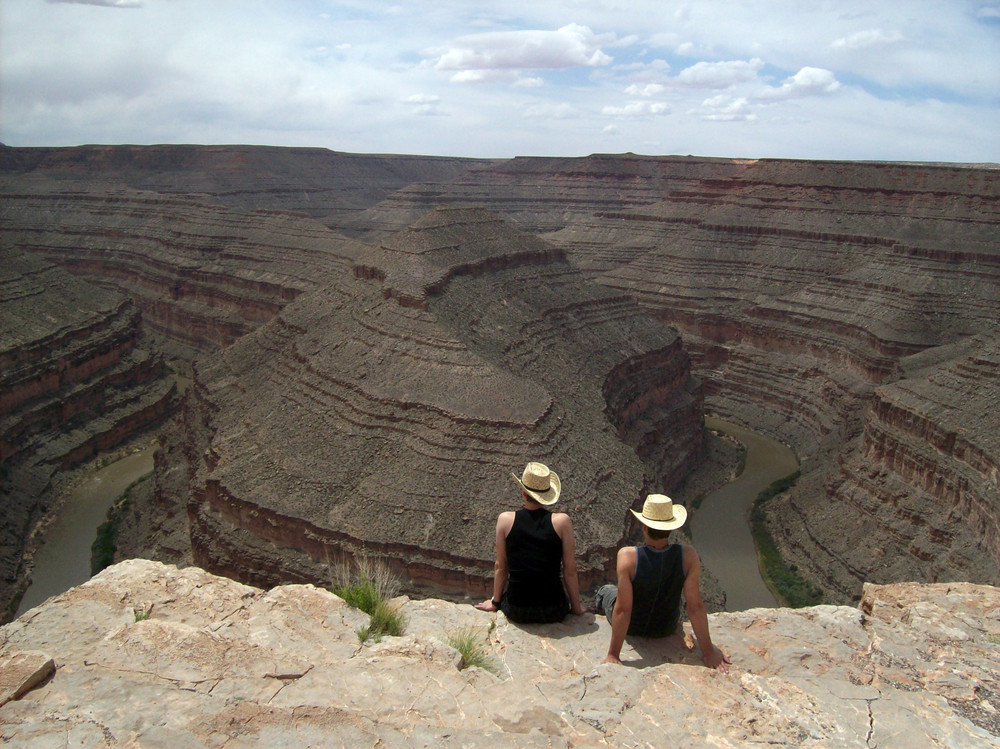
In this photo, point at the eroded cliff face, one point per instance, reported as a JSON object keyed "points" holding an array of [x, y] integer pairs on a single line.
{"points": [[385, 413], [922, 478], [810, 296], [76, 378], [203, 275], [217, 662], [801, 289]]}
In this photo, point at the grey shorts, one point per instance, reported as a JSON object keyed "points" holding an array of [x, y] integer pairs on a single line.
{"points": [[604, 601]]}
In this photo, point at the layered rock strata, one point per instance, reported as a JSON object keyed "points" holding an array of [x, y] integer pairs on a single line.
{"points": [[202, 275], [75, 379], [922, 478], [329, 186], [384, 414], [216, 662], [799, 288]]}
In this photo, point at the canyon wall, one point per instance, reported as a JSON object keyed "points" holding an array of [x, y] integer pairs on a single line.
{"points": [[384, 413], [800, 289], [821, 302], [77, 377]]}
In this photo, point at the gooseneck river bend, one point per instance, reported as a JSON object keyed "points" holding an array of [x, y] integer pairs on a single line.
{"points": [[719, 528]]}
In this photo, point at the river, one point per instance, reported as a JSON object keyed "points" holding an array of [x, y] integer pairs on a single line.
{"points": [[63, 560], [720, 528]]}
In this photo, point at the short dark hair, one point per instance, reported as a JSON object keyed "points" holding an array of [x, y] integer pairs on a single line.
{"points": [[655, 533]]}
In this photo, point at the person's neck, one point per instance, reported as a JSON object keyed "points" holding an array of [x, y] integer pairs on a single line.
{"points": [[658, 544]]}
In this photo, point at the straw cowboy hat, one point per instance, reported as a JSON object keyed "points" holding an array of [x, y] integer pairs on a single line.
{"points": [[660, 512], [541, 484]]}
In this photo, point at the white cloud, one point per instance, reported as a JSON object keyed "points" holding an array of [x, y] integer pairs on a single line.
{"points": [[719, 74], [725, 108], [424, 102], [637, 109], [866, 39], [569, 47], [807, 82], [650, 89], [103, 3]]}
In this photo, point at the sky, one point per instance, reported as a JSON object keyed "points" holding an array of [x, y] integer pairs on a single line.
{"points": [[888, 80]]}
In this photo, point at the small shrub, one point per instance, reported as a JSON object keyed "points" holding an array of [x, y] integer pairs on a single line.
{"points": [[470, 647], [741, 462], [141, 615], [102, 550], [389, 619], [368, 586]]}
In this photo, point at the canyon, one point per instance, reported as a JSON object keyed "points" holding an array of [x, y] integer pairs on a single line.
{"points": [[376, 341]]}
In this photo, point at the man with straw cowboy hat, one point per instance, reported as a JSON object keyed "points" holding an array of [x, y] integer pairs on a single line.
{"points": [[532, 544], [651, 579]]}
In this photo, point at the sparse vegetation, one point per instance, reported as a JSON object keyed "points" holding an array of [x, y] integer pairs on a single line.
{"points": [[469, 644], [141, 615], [782, 577], [369, 585], [102, 551]]}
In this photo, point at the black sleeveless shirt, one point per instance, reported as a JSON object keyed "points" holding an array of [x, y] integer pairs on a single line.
{"points": [[534, 560], [656, 591]]}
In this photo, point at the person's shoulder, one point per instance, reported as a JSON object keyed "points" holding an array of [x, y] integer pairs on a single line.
{"points": [[561, 523], [690, 557], [627, 553]]}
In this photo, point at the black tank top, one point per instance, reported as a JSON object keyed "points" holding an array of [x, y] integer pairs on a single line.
{"points": [[534, 559], [656, 591]]}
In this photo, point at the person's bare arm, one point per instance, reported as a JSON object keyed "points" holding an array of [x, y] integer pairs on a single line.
{"points": [[622, 615], [698, 616], [504, 523], [563, 527]]}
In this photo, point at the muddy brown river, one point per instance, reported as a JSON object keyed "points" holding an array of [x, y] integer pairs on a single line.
{"points": [[63, 560], [721, 529]]}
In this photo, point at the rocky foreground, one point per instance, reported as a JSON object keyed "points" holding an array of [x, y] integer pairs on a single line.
{"points": [[218, 663]]}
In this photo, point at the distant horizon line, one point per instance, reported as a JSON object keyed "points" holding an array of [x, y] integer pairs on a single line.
{"points": [[905, 162]]}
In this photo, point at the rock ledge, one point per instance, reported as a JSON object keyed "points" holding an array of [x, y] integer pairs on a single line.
{"points": [[220, 663]]}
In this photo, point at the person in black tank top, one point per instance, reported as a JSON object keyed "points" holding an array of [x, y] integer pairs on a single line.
{"points": [[535, 576], [651, 579]]}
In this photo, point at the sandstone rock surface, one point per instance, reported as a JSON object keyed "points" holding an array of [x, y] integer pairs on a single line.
{"points": [[217, 663]]}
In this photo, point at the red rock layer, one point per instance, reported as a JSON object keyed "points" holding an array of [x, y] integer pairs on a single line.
{"points": [[922, 478]]}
